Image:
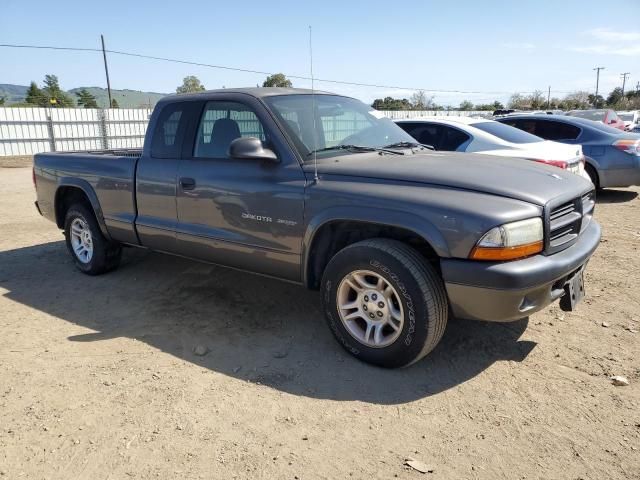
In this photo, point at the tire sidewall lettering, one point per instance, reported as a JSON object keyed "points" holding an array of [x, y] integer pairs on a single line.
{"points": [[333, 324]]}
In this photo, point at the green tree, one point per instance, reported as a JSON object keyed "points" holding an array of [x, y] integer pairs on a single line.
{"points": [[86, 100], [488, 107], [390, 103], [35, 96], [596, 100], [2, 100], [114, 103], [54, 94], [575, 101], [615, 97], [190, 84], [277, 80], [465, 105]]}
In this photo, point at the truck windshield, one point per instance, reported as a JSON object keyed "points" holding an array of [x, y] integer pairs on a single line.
{"points": [[338, 121]]}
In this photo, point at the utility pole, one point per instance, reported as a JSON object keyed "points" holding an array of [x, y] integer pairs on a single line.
{"points": [[595, 100], [624, 81], [549, 98], [106, 70]]}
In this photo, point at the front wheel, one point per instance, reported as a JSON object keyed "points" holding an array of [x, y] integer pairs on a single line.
{"points": [[92, 253], [384, 303]]}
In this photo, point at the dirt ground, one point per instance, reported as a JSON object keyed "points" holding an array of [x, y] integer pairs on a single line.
{"points": [[98, 379]]}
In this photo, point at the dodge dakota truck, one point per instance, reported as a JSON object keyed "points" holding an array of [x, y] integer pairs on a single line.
{"points": [[321, 190]]}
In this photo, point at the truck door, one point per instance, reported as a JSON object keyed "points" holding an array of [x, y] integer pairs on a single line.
{"points": [[246, 214], [156, 178]]}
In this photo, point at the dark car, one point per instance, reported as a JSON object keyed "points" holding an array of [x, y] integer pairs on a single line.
{"points": [[612, 157], [321, 190]]}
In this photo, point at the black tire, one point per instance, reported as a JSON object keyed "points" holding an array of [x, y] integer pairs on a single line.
{"points": [[105, 256], [423, 297], [593, 175]]}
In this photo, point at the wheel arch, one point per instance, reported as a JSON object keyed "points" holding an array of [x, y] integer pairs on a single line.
{"points": [[71, 190], [590, 163], [328, 233]]}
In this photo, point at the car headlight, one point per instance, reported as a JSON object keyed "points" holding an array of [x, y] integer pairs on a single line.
{"points": [[510, 241]]}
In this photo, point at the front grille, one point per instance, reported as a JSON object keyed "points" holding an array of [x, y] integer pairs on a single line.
{"points": [[567, 220]]}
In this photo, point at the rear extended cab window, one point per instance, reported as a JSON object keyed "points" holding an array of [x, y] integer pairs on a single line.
{"points": [[169, 131]]}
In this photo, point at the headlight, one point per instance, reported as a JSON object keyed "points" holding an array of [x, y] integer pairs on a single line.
{"points": [[510, 241]]}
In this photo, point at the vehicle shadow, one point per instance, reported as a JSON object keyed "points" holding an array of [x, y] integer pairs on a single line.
{"points": [[615, 196], [254, 328]]}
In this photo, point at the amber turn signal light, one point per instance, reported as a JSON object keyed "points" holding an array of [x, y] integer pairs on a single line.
{"points": [[499, 254]]}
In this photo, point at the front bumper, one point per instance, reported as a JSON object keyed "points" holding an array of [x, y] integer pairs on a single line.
{"points": [[507, 291]]}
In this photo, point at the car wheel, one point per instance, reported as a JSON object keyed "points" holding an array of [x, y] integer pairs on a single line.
{"points": [[593, 175], [384, 302], [92, 253]]}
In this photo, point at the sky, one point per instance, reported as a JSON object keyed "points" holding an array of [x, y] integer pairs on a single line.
{"points": [[483, 50]]}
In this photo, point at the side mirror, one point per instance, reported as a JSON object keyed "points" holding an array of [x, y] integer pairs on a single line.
{"points": [[251, 148]]}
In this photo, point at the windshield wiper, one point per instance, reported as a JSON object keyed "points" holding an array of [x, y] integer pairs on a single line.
{"points": [[409, 145], [357, 148]]}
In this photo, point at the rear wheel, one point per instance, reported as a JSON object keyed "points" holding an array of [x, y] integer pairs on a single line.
{"points": [[92, 253], [384, 303]]}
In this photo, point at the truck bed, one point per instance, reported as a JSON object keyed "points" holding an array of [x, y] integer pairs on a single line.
{"points": [[108, 173]]}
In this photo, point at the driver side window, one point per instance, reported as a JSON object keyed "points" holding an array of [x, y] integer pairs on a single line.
{"points": [[221, 123]]}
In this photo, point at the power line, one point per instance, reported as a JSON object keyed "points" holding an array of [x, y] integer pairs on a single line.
{"points": [[260, 72]]}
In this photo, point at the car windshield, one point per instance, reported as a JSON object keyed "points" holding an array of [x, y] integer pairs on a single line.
{"points": [[596, 115], [627, 117], [336, 121], [506, 132]]}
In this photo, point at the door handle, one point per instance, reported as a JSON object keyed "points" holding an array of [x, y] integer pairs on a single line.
{"points": [[187, 183]]}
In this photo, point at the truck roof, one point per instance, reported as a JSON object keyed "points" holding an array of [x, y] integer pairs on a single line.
{"points": [[258, 92]]}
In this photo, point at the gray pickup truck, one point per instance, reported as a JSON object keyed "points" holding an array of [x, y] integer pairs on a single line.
{"points": [[321, 190]]}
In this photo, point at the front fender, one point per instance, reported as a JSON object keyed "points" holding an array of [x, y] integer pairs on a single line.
{"points": [[377, 216], [89, 192]]}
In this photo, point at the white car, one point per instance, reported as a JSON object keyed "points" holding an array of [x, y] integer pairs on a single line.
{"points": [[477, 135], [631, 119]]}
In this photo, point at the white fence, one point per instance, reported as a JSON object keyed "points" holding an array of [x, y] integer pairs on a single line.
{"points": [[25, 131]]}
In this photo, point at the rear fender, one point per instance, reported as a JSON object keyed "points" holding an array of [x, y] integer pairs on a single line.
{"points": [[89, 192]]}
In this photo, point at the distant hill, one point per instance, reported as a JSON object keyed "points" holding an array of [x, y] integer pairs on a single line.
{"points": [[125, 98], [13, 93]]}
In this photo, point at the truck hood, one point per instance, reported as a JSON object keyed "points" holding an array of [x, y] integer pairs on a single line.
{"points": [[506, 177]]}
